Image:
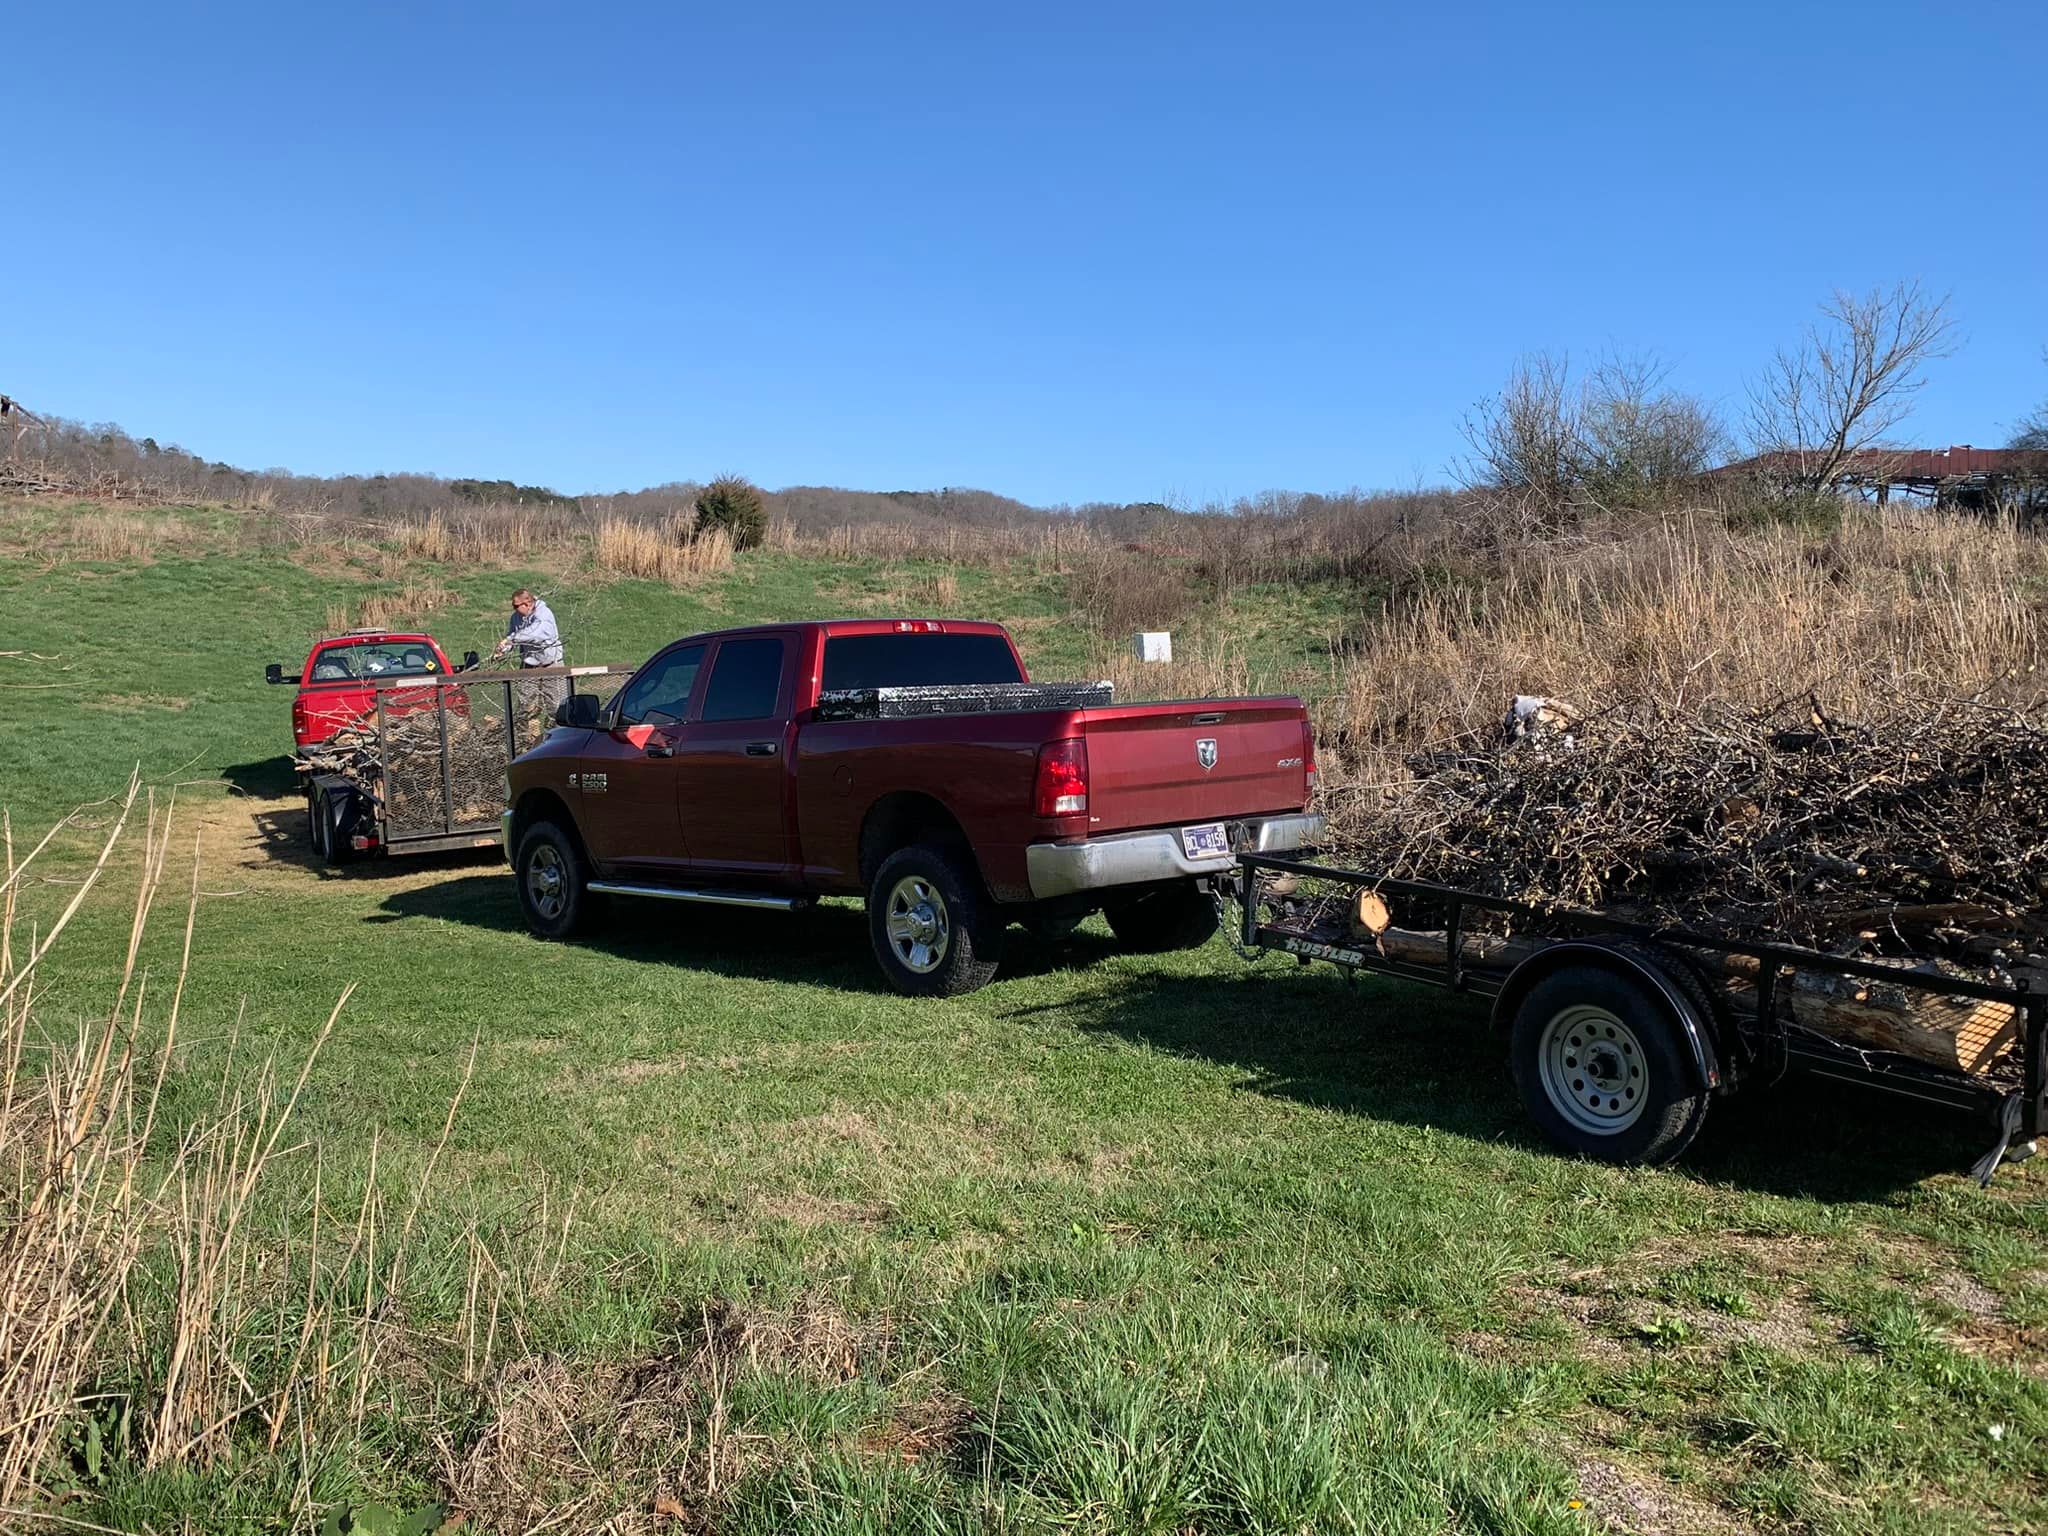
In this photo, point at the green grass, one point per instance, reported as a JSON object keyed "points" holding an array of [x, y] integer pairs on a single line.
{"points": [[1117, 1244]]}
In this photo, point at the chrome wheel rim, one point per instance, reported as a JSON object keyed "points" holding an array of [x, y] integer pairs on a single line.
{"points": [[1593, 1069], [545, 882], [920, 931]]}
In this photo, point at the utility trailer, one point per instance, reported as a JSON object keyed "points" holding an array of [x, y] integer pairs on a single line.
{"points": [[423, 768], [1620, 1034]]}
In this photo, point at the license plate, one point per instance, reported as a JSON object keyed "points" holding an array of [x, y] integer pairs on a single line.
{"points": [[1208, 841]]}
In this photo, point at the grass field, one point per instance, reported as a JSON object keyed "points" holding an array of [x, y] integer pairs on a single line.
{"points": [[725, 1236]]}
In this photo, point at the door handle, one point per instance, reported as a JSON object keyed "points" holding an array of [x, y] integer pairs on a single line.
{"points": [[761, 748], [660, 749]]}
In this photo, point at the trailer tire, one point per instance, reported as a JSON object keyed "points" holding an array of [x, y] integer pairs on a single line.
{"points": [[324, 809], [934, 933], [553, 881], [1180, 916], [1602, 1069]]}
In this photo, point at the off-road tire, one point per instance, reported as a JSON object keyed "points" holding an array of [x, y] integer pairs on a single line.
{"points": [[557, 907], [1178, 916], [1604, 1069], [934, 932]]}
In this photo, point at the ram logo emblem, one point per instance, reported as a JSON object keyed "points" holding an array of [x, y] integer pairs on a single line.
{"points": [[1205, 752]]}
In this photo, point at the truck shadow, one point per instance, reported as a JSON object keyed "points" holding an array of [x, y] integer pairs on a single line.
{"points": [[1377, 1049], [1389, 1051], [825, 946]]}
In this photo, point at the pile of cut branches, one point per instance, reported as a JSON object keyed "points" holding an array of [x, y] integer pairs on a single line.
{"points": [[1923, 832]]}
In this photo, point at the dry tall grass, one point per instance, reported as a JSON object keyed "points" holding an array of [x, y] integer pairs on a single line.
{"points": [[672, 551], [140, 1282], [1893, 603], [409, 606]]}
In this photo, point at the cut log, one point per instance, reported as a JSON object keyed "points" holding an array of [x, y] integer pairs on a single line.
{"points": [[1961, 1033], [1371, 917], [1424, 947]]}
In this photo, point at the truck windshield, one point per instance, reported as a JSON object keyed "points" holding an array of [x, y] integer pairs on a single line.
{"points": [[917, 661], [395, 658]]}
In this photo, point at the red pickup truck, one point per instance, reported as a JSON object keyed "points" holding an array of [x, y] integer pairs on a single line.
{"points": [[336, 681], [761, 767]]}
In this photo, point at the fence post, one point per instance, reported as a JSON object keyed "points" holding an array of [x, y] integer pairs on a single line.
{"points": [[447, 768]]}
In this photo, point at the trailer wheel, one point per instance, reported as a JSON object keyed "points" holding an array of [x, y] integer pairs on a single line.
{"points": [[933, 931], [326, 810], [552, 880], [1602, 1070], [1180, 916]]}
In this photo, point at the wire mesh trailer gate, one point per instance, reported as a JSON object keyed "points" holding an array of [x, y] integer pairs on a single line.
{"points": [[444, 745]]}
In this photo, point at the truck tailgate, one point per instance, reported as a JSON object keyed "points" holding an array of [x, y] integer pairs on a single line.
{"points": [[1152, 765]]}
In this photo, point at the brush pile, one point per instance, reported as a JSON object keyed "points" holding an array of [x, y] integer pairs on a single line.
{"points": [[1921, 835], [1930, 824]]}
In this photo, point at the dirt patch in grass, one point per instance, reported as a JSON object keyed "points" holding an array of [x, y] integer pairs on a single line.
{"points": [[803, 1209], [125, 702], [927, 1428], [638, 1445], [1637, 1503], [1610, 1327], [768, 1054]]}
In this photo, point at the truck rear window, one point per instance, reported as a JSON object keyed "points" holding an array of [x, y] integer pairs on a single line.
{"points": [[917, 661]]}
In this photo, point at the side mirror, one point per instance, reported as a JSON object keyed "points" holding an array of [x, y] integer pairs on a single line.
{"points": [[470, 660], [579, 710], [275, 674]]}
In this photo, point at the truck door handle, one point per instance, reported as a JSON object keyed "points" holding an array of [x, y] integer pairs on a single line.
{"points": [[761, 749], [660, 749]]}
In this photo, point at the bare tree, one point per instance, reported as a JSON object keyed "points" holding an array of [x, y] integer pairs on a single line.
{"points": [[1848, 383], [1636, 437], [1525, 440], [1617, 439]]}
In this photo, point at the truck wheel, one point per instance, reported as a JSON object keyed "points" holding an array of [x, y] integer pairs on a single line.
{"points": [[552, 880], [930, 924], [1602, 1069], [1179, 917]]}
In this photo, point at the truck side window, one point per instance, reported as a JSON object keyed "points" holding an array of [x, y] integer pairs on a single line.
{"points": [[745, 680], [660, 695]]}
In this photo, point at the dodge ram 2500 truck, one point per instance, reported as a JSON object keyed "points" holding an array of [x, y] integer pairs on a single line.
{"points": [[908, 761]]}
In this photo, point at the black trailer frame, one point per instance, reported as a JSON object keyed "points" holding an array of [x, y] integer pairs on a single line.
{"points": [[416, 807], [1766, 1046]]}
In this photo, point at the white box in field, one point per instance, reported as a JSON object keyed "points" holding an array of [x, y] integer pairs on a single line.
{"points": [[1153, 645]]}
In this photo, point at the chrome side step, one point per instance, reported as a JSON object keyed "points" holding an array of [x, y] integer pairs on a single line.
{"points": [[703, 898]]}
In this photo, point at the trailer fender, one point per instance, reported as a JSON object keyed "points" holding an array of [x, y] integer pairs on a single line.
{"points": [[1681, 994]]}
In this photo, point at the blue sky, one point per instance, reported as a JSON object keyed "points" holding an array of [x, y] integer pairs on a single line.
{"points": [[1100, 252]]}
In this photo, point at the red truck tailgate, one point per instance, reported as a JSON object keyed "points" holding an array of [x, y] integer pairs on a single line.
{"points": [[1153, 765]]}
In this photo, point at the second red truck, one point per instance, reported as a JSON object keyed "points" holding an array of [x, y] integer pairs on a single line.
{"points": [[912, 763]]}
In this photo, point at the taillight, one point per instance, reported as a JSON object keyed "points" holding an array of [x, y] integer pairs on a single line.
{"points": [[298, 717], [1308, 752], [1062, 783]]}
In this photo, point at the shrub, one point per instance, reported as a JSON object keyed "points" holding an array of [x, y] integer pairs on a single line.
{"points": [[734, 504]]}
